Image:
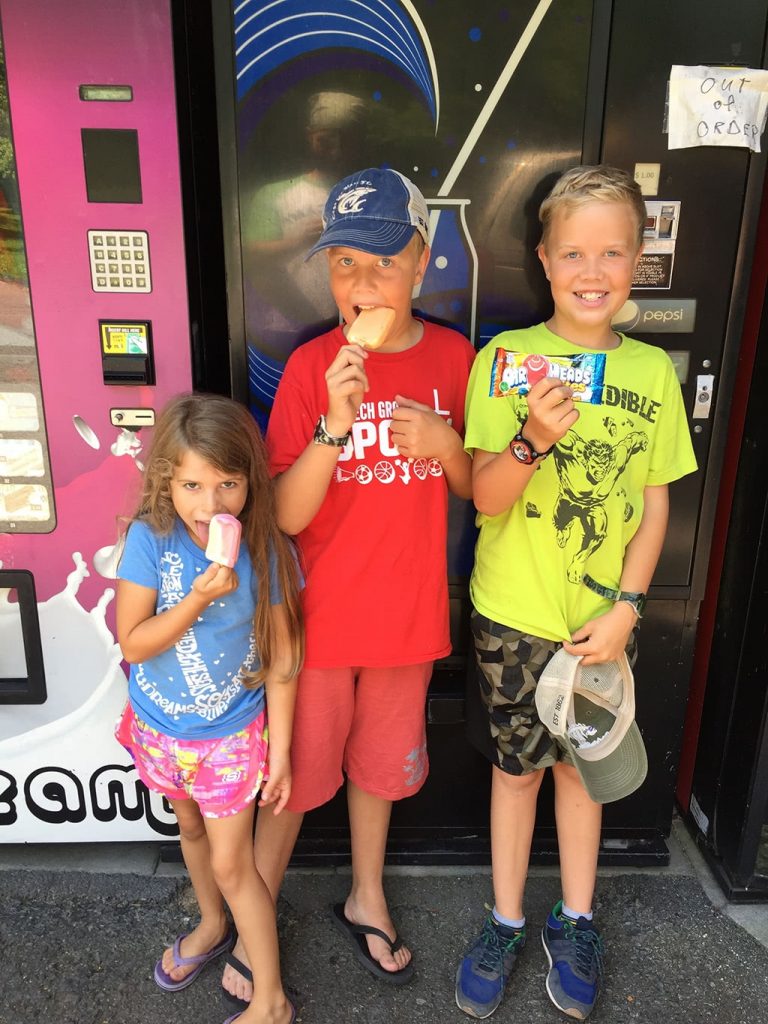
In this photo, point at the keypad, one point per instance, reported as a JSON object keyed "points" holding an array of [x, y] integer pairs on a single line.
{"points": [[119, 261]]}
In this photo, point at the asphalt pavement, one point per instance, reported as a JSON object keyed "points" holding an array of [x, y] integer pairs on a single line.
{"points": [[81, 929]]}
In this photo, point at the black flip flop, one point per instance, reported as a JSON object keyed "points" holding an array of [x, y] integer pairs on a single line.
{"points": [[356, 934], [232, 960]]}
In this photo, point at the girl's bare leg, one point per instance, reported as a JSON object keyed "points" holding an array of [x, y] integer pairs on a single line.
{"points": [[213, 922], [252, 907], [275, 839]]}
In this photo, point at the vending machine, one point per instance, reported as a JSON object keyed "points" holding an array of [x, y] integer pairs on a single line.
{"points": [[722, 784], [94, 336], [482, 106], [163, 167]]}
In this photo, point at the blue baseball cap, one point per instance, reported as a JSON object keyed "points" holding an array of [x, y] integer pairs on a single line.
{"points": [[377, 210]]}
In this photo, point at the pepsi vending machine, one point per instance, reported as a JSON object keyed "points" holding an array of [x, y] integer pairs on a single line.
{"points": [[482, 106]]}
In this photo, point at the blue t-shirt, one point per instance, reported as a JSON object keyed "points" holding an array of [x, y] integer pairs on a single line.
{"points": [[194, 690]]}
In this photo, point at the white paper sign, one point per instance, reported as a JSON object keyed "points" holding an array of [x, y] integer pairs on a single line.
{"points": [[713, 106]]}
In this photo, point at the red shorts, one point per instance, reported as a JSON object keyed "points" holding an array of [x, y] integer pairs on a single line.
{"points": [[367, 723]]}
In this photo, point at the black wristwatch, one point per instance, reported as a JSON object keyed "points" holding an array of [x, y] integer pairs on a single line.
{"points": [[632, 597], [321, 436], [522, 449]]}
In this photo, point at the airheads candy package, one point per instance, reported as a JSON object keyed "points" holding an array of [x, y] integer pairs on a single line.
{"points": [[517, 372]]}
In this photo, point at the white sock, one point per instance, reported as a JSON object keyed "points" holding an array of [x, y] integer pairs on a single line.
{"points": [[508, 922], [574, 915]]}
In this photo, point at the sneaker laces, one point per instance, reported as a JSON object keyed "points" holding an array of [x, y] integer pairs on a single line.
{"points": [[495, 947], [588, 946]]}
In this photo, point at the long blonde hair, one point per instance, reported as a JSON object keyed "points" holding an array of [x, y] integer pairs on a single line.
{"points": [[224, 433]]}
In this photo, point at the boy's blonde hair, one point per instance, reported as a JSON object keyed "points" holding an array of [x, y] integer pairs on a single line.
{"points": [[223, 433], [588, 184], [418, 243]]}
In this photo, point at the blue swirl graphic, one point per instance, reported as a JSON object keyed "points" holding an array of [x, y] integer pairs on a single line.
{"points": [[264, 375], [269, 35]]}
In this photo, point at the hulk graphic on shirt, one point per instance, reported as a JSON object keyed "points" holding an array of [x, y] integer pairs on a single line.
{"points": [[587, 472]]}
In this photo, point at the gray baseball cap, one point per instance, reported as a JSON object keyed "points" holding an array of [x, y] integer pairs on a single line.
{"points": [[590, 710]]}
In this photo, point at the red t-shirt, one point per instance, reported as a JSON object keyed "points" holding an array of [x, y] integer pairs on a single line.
{"points": [[376, 589]]}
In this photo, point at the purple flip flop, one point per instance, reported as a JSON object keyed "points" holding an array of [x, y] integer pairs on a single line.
{"points": [[237, 1016], [167, 983]]}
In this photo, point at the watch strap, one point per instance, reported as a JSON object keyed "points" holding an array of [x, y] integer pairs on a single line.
{"points": [[636, 598], [520, 445], [321, 435]]}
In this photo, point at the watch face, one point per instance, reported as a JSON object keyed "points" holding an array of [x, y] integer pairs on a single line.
{"points": [[521, 451]]}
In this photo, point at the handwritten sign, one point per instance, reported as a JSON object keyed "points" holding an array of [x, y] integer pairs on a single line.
{"points": [[717, 106]]}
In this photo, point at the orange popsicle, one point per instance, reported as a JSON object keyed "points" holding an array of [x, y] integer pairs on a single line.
{"points": [[371, 326]]}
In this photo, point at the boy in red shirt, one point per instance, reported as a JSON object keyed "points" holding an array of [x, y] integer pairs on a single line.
{"points": [[365, 445]]}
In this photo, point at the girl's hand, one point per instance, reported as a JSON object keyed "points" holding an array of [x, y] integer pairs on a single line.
{"points": [[217, 581], [347, 383], [419, 432], [605, 637], [551, 413], [278, 787]]}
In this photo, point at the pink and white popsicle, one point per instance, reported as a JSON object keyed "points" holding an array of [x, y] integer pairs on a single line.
{"points": [[223, 539]]}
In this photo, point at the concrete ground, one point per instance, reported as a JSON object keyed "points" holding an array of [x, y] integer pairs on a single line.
{"points": [[81, 928]]}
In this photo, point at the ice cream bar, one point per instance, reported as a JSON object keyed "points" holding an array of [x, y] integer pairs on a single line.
{"points": [[371, 326], [223, 539]]}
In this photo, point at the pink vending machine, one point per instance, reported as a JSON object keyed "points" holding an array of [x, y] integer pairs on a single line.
{"points": [[94, 338]]}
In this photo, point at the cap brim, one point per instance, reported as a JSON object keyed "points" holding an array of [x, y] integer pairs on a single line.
{"points": [[616, 775], [369, 234]]}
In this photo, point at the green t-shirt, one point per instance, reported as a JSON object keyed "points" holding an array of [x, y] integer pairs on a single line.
{"points": [[585, 502]]}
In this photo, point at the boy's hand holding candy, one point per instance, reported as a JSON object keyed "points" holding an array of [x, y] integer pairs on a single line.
{"points": [[551, 413]]}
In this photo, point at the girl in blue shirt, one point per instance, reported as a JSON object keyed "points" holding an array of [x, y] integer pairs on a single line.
{"points": [[212, 650]]}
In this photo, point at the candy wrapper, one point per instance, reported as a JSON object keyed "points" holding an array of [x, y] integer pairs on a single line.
{"points": [[517, 372]]}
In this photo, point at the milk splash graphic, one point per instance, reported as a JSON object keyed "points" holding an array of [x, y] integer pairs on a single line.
{"points": [[63, 775]]}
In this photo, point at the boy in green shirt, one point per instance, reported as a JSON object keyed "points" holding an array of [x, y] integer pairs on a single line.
{"points": [[570, 495]]}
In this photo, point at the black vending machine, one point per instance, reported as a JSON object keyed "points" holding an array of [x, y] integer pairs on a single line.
{"points": [[723, 784], [482, 105]]}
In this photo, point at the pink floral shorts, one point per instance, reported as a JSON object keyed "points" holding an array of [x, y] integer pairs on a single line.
{"points": [[223, 776]]}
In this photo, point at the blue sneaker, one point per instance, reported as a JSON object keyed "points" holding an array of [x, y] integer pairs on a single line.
{"points": [[575, 953], [485, 969]]}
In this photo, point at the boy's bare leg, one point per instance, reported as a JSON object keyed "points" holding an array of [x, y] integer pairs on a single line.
{"points": [[197, 859], [366, 904], [578, 837], [513, 815], [273, 845]]}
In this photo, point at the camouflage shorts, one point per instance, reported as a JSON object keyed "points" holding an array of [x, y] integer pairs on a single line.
{"points": [[510, 663]]}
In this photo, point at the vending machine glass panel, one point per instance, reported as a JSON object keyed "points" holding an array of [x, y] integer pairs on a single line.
{"points": [[26, 492]]}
